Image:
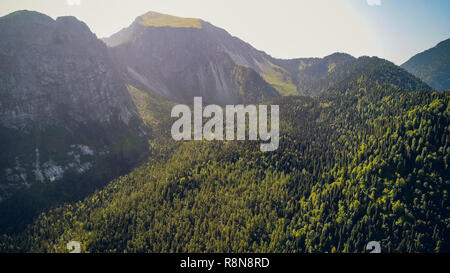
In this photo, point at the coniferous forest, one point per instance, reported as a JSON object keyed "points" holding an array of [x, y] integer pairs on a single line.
{"points": [[364, 148], [366, 161]]}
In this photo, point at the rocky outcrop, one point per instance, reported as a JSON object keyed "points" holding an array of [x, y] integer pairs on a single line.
{"points": [[54, 70], [68, 124], [181, 57]]}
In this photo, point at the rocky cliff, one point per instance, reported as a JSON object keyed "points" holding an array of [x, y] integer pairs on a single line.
{"points": [[67, 121], [52, 70], [183, 57]]}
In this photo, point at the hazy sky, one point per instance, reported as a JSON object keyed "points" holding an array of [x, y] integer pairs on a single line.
{"points": [[391, 29]]}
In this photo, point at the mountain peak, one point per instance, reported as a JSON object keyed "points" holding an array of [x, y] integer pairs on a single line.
{"points": [[26, 17], [71, 24], [155, 19]]}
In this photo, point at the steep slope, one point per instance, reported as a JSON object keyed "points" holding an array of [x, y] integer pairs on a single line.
{"points": [[362, 159], [344, 175], [367, 72], [183, 57], [180, 58], [67, 122], [46, 63], [432, 66], [365, 160], [340, 71], [310, 74]]}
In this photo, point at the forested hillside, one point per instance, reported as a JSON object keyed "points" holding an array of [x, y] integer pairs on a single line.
{"points": [[432, 66], [366, 162], [87, 153]]}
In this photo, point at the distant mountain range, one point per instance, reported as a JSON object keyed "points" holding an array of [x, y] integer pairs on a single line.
{"points": [[432, 66], [186, 57], [76, 112]]}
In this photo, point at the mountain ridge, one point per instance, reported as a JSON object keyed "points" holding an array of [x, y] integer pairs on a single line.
{"points": [[195, 57], [298, 76], [70, 103], [432, 65]]}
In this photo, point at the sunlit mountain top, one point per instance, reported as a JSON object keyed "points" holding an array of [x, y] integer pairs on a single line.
{"points": [[155, 19]]}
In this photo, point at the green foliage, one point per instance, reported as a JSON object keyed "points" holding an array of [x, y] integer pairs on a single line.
{"points": [[281, 80], [252, 87], [365, 164], [117, 150]]}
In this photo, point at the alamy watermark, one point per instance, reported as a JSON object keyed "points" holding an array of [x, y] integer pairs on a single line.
{"points": [[74, 247], [374, 247], [235, 116]]}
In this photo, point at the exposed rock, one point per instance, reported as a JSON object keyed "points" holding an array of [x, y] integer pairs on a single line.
{"points": [[54, 70], [66, 115], [180, 58]]}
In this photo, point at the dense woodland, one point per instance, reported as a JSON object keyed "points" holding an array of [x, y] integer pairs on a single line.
{"points": [[366, 160]]}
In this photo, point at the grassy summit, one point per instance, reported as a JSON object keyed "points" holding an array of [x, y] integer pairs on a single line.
{"points": [[154, 19]]}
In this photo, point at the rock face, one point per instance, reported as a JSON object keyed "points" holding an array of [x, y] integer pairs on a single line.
{"points": [[432, 66], [183, 57], [67, 121], [74, 113], [180, 58], [52, 70]]}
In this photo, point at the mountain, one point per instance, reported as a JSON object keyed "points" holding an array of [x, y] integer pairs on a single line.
{"points": [[184, 57], [340, 71], [370, 72], [68, 123], [309, 73], [363, 150], [371, 164], [432, 66], [180, 58]]}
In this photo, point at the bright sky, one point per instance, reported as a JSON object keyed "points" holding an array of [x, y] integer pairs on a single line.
{"points": [[391, 29]]}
